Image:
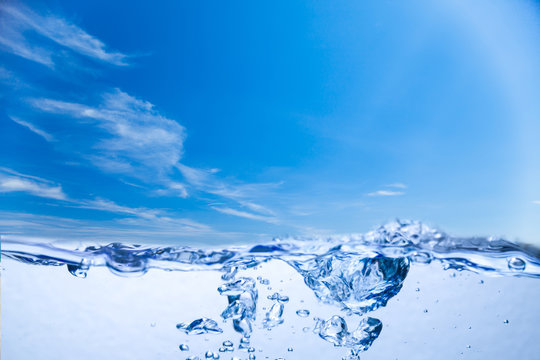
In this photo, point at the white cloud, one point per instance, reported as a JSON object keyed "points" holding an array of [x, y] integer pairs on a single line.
{"points": [[245, 214], [385, 193], [19, 21], [241, 194], [33, 128], [139, 141], [11, 181], [537, 202]]}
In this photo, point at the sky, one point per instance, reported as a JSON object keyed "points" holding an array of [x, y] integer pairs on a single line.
{"points": [[222, 122]]}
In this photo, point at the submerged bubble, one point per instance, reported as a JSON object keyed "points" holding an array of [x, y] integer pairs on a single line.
{"points": [[274, 316], [358, 284], [183, 347], [278, 297], [200, 326], [302, 313], [516, 264], [333, 330], [367, 331]]}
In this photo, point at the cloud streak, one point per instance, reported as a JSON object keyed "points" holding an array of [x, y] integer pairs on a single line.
{"points": [[18, 22], [32, 128], [385, 193], [11, 181], [245, 214]]}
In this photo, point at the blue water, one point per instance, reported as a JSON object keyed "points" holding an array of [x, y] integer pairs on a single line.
{"points": [[403, 291]]}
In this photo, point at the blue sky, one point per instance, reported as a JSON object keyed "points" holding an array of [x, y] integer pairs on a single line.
{"points": [[238, 121]]}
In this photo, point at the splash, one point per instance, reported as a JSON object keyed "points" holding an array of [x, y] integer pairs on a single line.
{"points": [[357, 274]]}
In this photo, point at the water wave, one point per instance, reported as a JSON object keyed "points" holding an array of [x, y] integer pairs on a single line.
{"points": [[357, 273]]}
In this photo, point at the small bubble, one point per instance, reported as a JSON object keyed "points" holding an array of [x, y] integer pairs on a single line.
{"points": [[417, 289], [209, 354], [251, 357], [468, 346], [481, 281], [264, 281], [222, 349], [290, 349], [251, 349], [183, 347], [306, 329], [506, 321], [153, 324], [227, 343], [302, 312], [516, 264], [425, 311]]}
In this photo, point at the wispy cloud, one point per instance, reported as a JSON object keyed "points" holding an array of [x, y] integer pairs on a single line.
{"points": [[11, 181], [537, 202], [18, 22], [130, 230], [33, 128], [245, 214], [385, 193], [207, 181], [138, 141]]}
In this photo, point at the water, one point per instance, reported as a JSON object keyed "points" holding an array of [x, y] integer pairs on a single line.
{"points": [[403, 291]]}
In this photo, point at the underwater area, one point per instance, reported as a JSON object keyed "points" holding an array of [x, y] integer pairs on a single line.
{"points": [[402, 291]]}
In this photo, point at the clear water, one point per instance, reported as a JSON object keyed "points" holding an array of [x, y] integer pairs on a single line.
{"points": [[404, 291]]}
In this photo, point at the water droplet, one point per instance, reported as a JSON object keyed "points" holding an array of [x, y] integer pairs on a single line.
{"points": [[468, 346], [425, 311], [506, 321], [183, 347], [302, 312], [306, 329], [290, 349], [481, 281], [251, 349], [516, 264], [252, 357], [264, 281], [152, 324], [417, 289], [228, 343], [209, 354], [200, 326]]}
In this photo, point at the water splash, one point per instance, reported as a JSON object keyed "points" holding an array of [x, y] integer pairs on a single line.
{"points": [[357, 273]]}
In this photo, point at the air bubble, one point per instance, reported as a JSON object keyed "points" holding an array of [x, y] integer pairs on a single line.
{"points": [[516, 264]]}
